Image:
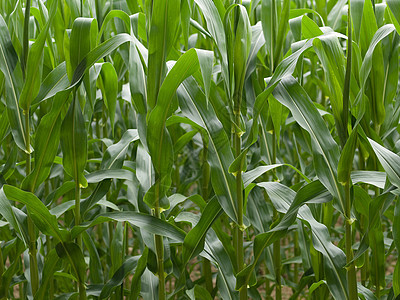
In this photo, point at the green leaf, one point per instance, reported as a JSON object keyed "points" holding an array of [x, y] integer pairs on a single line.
{"points": [[325, 149], [137, 77], [95, 267], [313, 192], [163, 25], [335, 15], [10, 214], [251, 175], [268, 19], [49, 126], [56, 81], [109, 17], [283, 18], [315, 285], [145, 222], [43, 219], [158, 139], [396, 280], [374, 178], [117, 247], [110, 91], [194, 240], [13, 79], [334, 258], [34, 65], [98, 193], [47, 140], [199, 292], [309, 28], [194, 106], [216, 29], [395, 8], [347, 156], [118, 277], [49, 268], [97, 53], [114, 156], [98, 176], [389, 161], [330, 53], [216, 253], [74, 142], [140, 268], [239, 164], [241, 48], [71, 252], [83, 39], [158, 193], [367, 66], [357, 7], [257, 42]]}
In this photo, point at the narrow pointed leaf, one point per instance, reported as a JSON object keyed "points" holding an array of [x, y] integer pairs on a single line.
{"points": [[143, 221], [194, 240], [163, 26], [43, 219], [325, 149], [194, 106], [13, 75]]}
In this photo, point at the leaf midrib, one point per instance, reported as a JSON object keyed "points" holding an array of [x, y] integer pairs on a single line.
{"points": [[311, 131], [219, 160], [14, 94]]}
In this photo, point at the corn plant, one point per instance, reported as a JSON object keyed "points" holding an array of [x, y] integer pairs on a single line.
{"points": [[199, 149]]}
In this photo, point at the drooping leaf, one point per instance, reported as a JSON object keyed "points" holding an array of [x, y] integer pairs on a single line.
{"points": [[144, 222], [325, 149], [41, 216], [194, 106], [389, 160]]}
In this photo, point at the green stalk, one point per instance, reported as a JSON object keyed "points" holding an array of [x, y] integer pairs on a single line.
{"points": [[239, 192], [28, 143], [296, 253], [351, 270], [77, 210], [1, 261], [159, 248], [364, 268], [82, 291], [281, 31], [25, 43], [33, 265], [205, 192], [77, 215], [207, 275], [51, 284], [277, 263], [277, 244]]}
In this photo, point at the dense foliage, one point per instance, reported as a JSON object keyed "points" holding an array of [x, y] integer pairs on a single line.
{"points": [[199, 149]]}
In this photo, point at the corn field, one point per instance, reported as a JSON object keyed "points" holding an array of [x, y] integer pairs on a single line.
{"points": [[199, 149]]}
